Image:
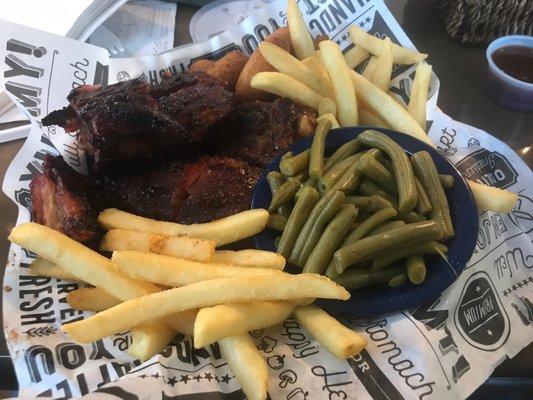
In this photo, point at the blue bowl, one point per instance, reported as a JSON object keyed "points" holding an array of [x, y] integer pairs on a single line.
{"points": [[441, 273]]}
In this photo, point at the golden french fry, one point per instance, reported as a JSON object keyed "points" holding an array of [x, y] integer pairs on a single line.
{"points": [[42, 267], [91, 299], [285, 63], [355, 56], [222, 231], [175, 271], [401, 55], [327, 106], [176, 246], [492, 199], [340, 78], [386, 108], [419, 94], [315, 65], [155, 306], [249, 258], [331, 118], [370, 68], [247, 364], [301, 39], [224, 320], [150, 340], [368, 118], [286, 86], [382, 74], [182, 322], [330, 333]]}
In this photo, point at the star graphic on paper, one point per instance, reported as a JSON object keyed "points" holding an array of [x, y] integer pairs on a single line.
{"points": [[525, 282], [344, 37], [208, 376], [478, 288], [172, 381], [519, 284], [530, 279], [505, 293], [156, 375], [143, 376], [225, 378], [338, 41], [514, 287], [197, 378], [362, 24], [489, 332], [185, 378], [367, 19]]}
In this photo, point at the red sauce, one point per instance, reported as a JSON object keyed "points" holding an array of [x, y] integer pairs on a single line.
{"points": [[516, 61]]}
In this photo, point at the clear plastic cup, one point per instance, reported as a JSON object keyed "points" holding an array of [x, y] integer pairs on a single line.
{"points": [[505, 90]]}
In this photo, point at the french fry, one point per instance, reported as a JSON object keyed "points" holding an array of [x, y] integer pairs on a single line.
{"points": [[340, 78], [386, 108], [176, 246], [155, 306], [368, 118], [401, 55], [152, 339], [370, 68], [249, 258], [174, 271], [91, 299], [355, 56], [315, 65], [492, 199], [287, 64], [247, 364], [327, 106], [182, 322], [222, 231], [382, 74], [301, 39], [419, 94], [331, 118], [286, 86], [42, 267], [330, 333]]}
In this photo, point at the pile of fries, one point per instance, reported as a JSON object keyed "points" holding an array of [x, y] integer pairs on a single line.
{"points": [[326, 81], [164, 278]]}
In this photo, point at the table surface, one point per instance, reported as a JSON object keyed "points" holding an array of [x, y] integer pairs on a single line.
{"points": [[461, 70]]}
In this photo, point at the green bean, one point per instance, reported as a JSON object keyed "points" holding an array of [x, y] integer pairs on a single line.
{"points": [[291, 166], [423, 205], [378, 203], [332, 175], [358, 201], [323, 213], [302, 176], [330, 240], [371, 246], [275, 180], [286, 155], [397, 280], [346, 150], [296, 220], [316, 158], [446, 181], [284, 194], [352, 177], [415, 267], [276, 222], [406, 251], [308, 182], [356, 278], [378, 173], [363, 229], [403, 172], [427, 173], [387, 226], [363, 216]]}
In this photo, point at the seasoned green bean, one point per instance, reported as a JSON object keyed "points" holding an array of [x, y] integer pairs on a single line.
{"points": [[284, 194], [286, 155], [369, 188], [308, 182], [387, 226], [358, 201], [330, 240], [427, 173], [406, 251], [332, 175], [415, 267], [403, 172], [423, 205], [397, 280], [378, 203], [291, 166], [378, 173], [371, 246], [276, 222], [307, 240], [316, 157], [346, 150], [352, 177], [275, 180], [365, 227], [357, 278], [296, 221], [446, 181]]}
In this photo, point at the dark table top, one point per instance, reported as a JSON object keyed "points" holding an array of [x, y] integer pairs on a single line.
{"points": [[461, 70]]}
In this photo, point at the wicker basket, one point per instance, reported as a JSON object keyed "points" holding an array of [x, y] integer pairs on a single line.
{"points": [[480, 21]]}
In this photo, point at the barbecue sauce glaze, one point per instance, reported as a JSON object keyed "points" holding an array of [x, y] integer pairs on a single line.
{"points": [[516, 61]]}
